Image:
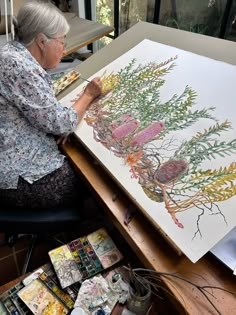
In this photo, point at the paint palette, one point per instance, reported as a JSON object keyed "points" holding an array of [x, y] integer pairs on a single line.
{"points": [[64, 297], [40, 300], [10, 303], [64, 81], [84, 257]]}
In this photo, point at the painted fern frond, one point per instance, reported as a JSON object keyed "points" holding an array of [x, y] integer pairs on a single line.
{"points": [[213, 130], [222, 188], [131, 75], [182, 119], [177, 104], [203, 145], [137, 90], [205, 178], [135, 77], [164, 63], [202, 179], [222, 171], [218, 148]]}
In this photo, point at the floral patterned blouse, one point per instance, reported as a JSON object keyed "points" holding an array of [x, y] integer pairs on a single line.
{"points": [[30, 116]]}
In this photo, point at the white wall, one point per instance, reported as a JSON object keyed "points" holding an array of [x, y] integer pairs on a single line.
{"points": [[3, 8], [77, 6], [16, 5]]}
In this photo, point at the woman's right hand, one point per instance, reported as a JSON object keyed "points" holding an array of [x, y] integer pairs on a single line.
{"points": [[92, 91], [94, 88]]}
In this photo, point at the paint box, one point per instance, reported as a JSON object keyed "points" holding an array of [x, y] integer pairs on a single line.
{"points": [[64, 81], [10, 303], [84, 257], [40, 300]]}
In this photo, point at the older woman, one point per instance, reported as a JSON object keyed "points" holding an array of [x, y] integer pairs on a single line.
{"points": [[33, 172]]}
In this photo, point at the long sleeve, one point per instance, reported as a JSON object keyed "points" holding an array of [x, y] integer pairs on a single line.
{"points": [[29, 117], [30, 90]]}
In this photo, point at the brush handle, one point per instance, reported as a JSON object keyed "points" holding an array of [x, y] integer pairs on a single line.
{"points": [[83, 78]]}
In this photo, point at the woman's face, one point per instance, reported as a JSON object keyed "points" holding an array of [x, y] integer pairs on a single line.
{"points": [[54, 51]]}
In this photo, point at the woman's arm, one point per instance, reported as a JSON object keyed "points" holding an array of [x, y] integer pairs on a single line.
{"points": [[27, 88]]}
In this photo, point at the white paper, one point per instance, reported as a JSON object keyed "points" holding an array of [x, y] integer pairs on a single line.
{"points": [[214, 84]]}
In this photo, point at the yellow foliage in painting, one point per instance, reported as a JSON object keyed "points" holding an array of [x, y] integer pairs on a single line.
{"points": [[223, 186], [109, 82], [219, 193], [222, 171]]}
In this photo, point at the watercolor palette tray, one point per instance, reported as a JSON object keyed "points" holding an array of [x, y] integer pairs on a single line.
{"points": [[61, 82], [10, 303], [84, 257], [42, 283], [41, 300]]}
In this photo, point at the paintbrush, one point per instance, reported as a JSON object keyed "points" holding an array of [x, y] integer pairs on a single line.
{"points": [[80, 77]]}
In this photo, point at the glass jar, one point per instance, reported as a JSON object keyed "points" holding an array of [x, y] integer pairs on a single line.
{"points": [[137, 304]]}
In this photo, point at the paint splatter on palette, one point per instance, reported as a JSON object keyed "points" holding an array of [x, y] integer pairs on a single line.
{"points": [[84, 257], [64, 81]]}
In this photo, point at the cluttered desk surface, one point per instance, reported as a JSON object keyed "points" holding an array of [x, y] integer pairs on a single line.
{"points": [[147, 243]]}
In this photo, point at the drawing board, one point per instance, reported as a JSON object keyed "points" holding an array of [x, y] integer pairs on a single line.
{"points": [[165, 130]]}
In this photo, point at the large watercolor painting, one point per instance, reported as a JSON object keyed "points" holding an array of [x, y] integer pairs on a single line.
{"points": [[165, 130]]}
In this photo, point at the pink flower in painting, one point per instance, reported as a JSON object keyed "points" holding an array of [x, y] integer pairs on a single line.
{"points": [[170, 171], [125, 129], [148, 133]]}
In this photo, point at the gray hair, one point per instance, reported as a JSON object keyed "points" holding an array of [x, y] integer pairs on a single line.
{"points": [[39, 17]]}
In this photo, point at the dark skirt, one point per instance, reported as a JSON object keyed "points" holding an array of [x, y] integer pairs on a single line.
{"points": [[61, 188]]}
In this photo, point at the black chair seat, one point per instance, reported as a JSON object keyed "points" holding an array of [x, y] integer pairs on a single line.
{"points": [[18, 220], [36, 222]]}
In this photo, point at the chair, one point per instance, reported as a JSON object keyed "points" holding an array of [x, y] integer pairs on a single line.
{"points": [[15, 221]]}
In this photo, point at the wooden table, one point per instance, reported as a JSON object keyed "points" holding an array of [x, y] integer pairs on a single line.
{"points": [[83, 32], [148, 244]]}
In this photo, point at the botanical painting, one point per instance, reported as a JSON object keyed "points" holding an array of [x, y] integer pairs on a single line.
{"points": [[164, 128]]}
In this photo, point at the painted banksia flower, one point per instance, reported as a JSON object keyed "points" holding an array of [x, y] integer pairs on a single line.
{"points": [[170, 171], [125, 129], [148, 133]]}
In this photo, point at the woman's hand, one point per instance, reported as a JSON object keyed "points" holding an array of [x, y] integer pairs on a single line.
{"points": [[94, 88], [92, 91]]}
